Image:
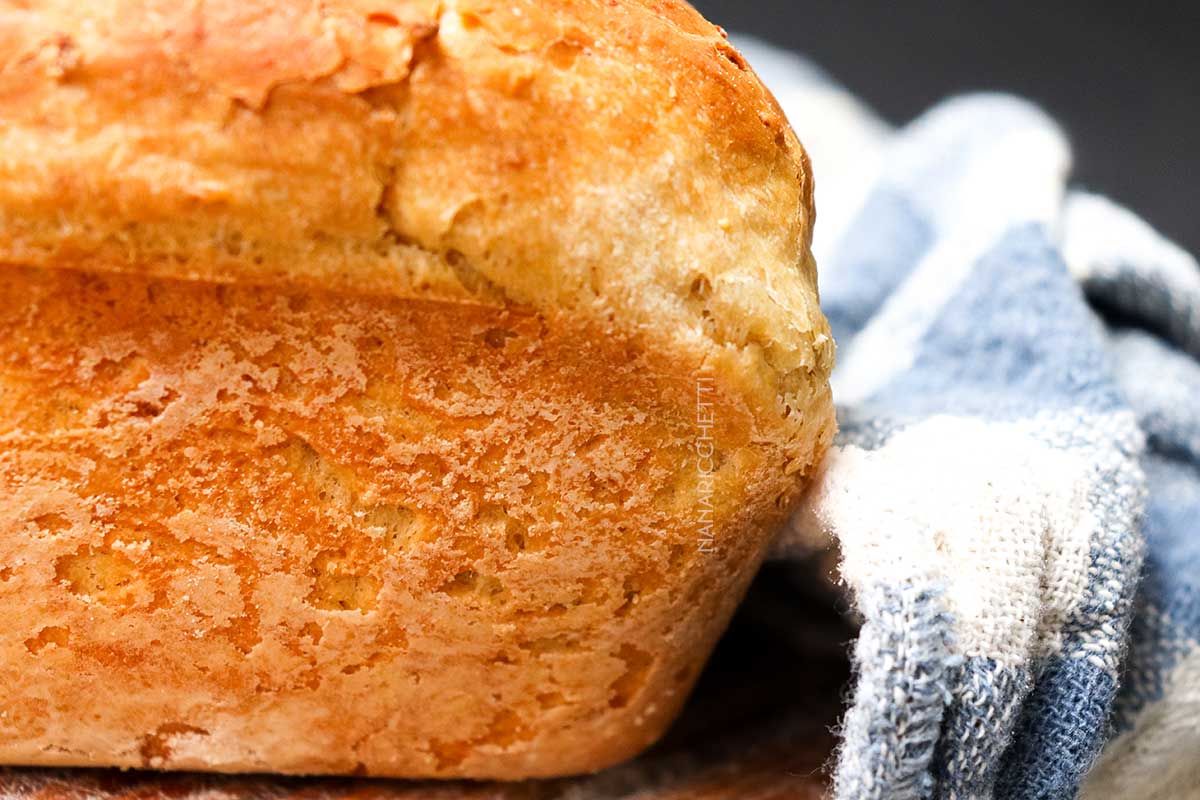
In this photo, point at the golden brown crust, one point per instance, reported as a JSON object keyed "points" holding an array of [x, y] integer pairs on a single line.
{"points": [[437, 538], [615, 158], [349, 360]]}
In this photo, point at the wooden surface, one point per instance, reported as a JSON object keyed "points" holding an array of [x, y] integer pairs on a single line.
{"points": [[757, 728]]}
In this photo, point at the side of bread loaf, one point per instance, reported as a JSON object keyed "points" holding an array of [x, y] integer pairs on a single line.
{"points": [[406, 388]]}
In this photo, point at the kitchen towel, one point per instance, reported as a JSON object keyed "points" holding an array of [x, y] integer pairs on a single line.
{"points": [[1015, 490]]}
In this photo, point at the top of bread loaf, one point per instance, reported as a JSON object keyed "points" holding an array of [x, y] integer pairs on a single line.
{"points": [[609, 158]]}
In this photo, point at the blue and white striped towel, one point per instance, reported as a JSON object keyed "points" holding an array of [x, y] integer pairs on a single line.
{"points": [[1016, 487]]}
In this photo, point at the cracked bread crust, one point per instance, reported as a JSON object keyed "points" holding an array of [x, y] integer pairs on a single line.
{"points": [[615, 159], [348, 370]]}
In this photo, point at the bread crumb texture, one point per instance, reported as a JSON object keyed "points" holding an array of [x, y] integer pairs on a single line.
{"points": [[349, 357]]}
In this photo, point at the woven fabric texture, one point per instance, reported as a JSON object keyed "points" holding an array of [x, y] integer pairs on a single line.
{"points": [[1015, 491]]}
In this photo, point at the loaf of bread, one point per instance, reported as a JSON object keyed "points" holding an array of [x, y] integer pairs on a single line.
{"points": [[388, 387]]}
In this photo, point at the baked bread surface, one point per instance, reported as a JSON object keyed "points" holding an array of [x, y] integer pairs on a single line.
{"points": [[404, 388]]}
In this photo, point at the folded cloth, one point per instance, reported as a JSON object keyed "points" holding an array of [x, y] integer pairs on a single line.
{"points": [[1019, 401]]}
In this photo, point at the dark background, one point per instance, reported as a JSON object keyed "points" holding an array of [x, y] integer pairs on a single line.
{"points": [[1122, 78]]}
